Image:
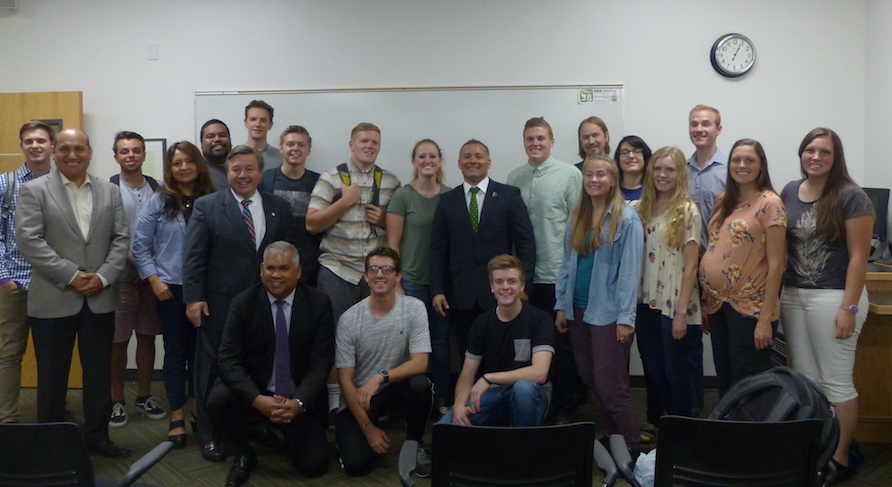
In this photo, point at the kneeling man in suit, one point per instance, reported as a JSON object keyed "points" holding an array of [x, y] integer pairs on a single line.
{"points": [[275, 356]]}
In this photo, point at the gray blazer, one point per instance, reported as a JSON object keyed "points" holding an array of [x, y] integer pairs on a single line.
{"points": [[48, 236]]}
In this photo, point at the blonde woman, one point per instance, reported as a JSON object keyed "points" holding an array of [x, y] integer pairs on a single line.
{"points": [[669, 303], [597, 292]]}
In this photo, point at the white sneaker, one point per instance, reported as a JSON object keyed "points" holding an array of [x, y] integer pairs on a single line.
{"points": [[423, 462], [118, 415], [150, 408]]}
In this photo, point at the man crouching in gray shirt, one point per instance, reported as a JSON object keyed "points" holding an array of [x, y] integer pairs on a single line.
{"points": [[383, 344]]}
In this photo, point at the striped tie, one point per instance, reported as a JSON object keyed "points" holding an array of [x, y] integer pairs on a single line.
{"points": [[249, 220]]}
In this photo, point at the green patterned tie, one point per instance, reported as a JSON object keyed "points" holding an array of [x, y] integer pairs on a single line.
{"points": [[472, 210]]}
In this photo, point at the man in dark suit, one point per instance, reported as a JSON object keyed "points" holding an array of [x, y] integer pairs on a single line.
{"points": [[71, 227], [225, 240], [276, 353], [472, 224]]}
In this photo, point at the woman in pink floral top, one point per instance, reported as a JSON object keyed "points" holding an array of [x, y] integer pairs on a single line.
{"points": [[743, 266], [669, 316]]}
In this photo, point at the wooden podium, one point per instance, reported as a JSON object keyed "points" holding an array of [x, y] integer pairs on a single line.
{"points": [[873, 361]]}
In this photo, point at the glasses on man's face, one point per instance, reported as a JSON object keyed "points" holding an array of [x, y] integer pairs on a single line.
{"points": [[626, 152], [386, 269]]}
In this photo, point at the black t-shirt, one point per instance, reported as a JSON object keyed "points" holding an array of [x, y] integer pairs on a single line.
{"points": [[502, 346], [813, 262], [297, 192]]}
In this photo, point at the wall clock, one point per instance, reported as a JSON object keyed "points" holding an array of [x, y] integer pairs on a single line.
{"points": [[733, 55]]}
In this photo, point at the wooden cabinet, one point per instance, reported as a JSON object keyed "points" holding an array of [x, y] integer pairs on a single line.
{"points": [[873, 361]]}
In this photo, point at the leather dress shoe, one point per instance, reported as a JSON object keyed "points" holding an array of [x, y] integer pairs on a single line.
{"points": [[242, 466], [212, 451], [109, 449]]}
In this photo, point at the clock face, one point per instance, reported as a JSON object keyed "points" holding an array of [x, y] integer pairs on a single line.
{"points": [[733, 55]]}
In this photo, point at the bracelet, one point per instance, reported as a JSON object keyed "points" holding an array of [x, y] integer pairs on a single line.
{"points": [[487, 380], [366, 425]]}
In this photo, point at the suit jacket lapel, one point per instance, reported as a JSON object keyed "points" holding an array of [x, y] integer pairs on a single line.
{"points": [[273, 220], [60, 197], [98, 204], [489, 200], [461, 205]]}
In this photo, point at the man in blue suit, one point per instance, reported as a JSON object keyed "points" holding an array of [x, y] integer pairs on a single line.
{"points": [[225, 240], [473, 223]]}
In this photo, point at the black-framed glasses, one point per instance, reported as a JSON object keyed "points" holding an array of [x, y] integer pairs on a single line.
{"points": [[626, 152], [386, 269]]}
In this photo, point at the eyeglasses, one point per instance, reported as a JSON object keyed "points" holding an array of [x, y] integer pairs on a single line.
{"points": [[386, 269], [626, 152]]}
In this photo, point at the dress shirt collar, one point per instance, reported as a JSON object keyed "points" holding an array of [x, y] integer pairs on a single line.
{"points": [[483, 185], [546, 164], [719, 158], [254, 197], [288, 299], [66, 181]]}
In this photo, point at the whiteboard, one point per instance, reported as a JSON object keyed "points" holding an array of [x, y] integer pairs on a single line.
{"points": [[450, 116]]}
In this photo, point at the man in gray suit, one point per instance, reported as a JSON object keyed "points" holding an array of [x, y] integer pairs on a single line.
{"points": [[71, 227]]}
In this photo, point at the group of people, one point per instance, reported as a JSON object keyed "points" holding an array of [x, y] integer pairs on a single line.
{"points": [[543, 283]]}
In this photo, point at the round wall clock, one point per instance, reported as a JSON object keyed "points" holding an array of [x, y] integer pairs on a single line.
{"points": [[733, 55]]}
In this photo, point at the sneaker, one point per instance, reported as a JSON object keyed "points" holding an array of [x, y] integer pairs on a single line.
{"points": [[118, 415], [150, 408], [423, 462]]}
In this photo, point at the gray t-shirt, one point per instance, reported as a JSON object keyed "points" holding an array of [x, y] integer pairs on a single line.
{"points": [[370, 344], [415, 245], [272, 158], [813, 262]]}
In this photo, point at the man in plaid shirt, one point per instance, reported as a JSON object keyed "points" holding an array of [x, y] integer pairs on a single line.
{"points": [[15, 272]]}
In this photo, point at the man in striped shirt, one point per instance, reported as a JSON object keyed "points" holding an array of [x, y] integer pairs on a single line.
{"points": [[36, 140], [348, 208]]}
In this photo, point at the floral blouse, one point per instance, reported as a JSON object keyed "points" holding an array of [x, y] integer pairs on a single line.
{"points": [[664, 267], [735, 267]]}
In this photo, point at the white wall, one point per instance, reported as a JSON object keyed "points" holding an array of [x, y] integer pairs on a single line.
{"points": [[811, 68], [809, 72]]}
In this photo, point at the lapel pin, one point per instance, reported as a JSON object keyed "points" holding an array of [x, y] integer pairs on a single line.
{"points": [[495, 193], [273, 214]]}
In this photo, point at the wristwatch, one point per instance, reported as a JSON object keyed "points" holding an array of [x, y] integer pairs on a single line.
{"points": [[386, 374], [851, 308]]}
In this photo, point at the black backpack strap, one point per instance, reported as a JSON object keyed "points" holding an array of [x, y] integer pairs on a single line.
{"points": [[11, 183], [269, 180], [152, 183], [375, 196], [344, 174]]}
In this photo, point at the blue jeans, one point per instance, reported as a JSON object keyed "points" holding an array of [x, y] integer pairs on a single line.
{"points": [[441, 358], [179, 348], [670, 384], [522, 404]]}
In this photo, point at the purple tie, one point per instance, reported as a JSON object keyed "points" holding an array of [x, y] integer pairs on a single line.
{"points": [[249, 220], [283, 358]]}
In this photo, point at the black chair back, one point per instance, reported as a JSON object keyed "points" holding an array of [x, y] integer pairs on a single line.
{"points": [[472, 456], [701, 452], [44, 455]]}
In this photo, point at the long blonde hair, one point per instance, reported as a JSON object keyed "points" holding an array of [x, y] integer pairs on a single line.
{"points": [[581, 219], [675, 219]]}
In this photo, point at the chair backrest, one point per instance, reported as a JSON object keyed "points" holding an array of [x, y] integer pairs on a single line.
{"points": [[532, 456], [47, 454], [703, 452]]}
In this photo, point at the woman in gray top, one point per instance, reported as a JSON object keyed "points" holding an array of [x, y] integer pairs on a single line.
{"points": [[410, 216], [824, 303]]}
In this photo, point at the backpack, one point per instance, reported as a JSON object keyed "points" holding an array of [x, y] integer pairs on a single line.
{"points": [[374, 194], [781, 394]]}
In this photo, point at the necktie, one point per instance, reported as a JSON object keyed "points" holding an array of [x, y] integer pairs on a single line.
{"points": [[249, 220], [472, 209], [283, 358]]}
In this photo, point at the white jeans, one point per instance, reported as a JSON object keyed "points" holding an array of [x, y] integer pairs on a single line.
{"points": [[809, 323]]}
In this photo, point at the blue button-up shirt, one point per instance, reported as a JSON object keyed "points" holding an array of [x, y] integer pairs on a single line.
{"points": [[13, 266], [616, 274], [158, 243], [706, 185]]}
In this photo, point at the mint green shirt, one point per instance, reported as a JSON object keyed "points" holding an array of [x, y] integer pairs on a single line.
{"points": [[551, 192]]}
